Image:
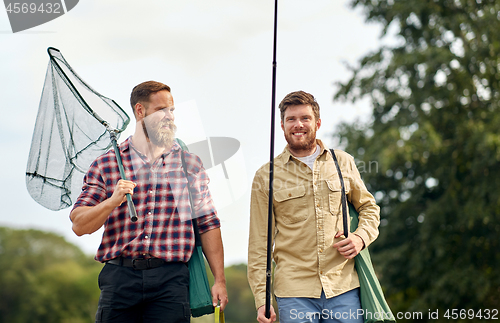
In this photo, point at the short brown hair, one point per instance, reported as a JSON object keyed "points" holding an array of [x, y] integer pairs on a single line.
{"points": [[298, 98], [141, 92]]}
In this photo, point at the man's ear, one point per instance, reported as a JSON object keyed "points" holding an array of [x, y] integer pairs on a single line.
{"points": [[140, 111], [318, 123]]}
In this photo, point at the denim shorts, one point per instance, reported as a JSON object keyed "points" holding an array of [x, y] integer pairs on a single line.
{"points": [[344, 308]]}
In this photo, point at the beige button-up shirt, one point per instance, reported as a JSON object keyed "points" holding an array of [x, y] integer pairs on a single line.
{"points": [[307, 215]]}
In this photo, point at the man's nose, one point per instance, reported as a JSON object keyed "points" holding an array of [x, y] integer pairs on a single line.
{"points": [[168, 114], [298, 124]]}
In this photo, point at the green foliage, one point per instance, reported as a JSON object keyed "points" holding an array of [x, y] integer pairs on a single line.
{"points": [[45, 279], [434, 136], [241, 307]]}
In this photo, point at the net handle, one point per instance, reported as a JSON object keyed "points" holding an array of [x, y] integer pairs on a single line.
{"points": [[131, 208]]}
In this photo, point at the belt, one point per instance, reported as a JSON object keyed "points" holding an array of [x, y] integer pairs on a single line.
{"points": [[137, 263]]}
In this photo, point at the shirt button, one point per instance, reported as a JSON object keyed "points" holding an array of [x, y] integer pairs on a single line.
{"points": [[321, 272], [317, 205], [320, 250], [320, 227], [149, 213], [289, 194], [146, 237], [151, 192]]}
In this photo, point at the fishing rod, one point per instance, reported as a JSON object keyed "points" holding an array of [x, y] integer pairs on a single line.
{"points": [[271, 172]]}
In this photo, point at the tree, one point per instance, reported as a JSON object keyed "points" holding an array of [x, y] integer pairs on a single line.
{"points": [[434, 137], [241, 306], [43, 278]]}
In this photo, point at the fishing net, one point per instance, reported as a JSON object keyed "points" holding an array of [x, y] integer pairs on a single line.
{"points": [[72, 128]]}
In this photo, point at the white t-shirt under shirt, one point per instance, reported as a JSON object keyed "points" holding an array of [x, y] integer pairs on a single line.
{"points": [[309, 160]]}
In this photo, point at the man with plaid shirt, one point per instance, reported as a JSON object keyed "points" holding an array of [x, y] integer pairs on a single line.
{"points": [[145, 277]]}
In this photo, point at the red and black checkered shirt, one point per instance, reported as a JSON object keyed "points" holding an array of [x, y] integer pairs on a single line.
{"points": [[164, 228]]}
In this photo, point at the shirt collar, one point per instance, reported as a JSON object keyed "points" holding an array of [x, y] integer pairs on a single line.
{"points": [[127, 144]]}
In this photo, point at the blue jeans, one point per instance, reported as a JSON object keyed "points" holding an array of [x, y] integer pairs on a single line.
{"points": [[344, 308]]}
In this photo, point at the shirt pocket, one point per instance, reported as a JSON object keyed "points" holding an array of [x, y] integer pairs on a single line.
{"points": [[335, 193], [291, 205]]}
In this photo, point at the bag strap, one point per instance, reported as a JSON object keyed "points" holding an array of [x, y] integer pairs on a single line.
{"points": [[197, 238], [343, 199]]}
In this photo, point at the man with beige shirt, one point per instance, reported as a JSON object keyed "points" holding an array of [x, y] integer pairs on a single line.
{"points": [[315, 279]]}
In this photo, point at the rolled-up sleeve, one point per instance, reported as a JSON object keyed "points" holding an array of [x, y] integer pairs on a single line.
{"points": [[204, 208]]}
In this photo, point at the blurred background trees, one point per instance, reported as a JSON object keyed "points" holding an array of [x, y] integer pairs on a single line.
{"points": [[45, 279], [434, 137]]}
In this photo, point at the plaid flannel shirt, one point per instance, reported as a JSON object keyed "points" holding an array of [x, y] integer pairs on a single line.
{"points": [[164, 227]]}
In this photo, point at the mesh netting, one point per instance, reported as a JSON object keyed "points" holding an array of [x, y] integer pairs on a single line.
{"points": [[69, 134]]}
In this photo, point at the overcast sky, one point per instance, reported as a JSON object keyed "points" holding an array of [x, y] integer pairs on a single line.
{"points": [[217, 58]]}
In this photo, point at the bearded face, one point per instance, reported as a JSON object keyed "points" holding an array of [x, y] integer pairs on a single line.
{"points": [[159, 130], [299, 127], [301, 139]]}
